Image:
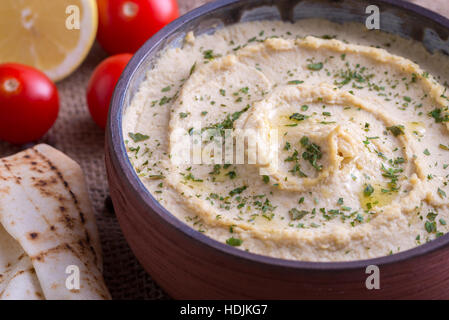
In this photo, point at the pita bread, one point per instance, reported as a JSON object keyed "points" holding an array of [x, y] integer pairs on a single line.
{"points": [[18, 279], [45, 209]]}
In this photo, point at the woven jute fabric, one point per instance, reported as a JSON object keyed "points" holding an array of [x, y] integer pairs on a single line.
{"points": [[75, 134]]}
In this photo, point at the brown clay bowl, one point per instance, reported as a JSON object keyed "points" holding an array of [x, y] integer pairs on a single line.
{"points": [[189, 265]]}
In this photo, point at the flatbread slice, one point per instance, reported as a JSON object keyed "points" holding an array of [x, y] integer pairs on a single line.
{"points": [[44, 206], [18, 279]]}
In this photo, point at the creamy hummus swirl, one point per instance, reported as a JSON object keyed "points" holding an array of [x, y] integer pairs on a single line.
{"points": [[348, 154]]}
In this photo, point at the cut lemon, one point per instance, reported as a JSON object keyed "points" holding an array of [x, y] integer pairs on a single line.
{"points": [[53, 36]]}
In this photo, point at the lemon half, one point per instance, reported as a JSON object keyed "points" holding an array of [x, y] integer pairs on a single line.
{"points": [[53, 36]]}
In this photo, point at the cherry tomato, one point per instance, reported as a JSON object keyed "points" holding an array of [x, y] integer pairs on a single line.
{"points": [[125, 25], [29, 103], [102, 84]]}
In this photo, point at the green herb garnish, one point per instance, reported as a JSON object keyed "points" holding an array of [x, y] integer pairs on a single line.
{"points": [[209, 55], [439, 115], [296, 214], [368, 191], [234, 242], [298, 117], [138, 137], [396, 130], [295, 82], [312, 154], [237, 191], [315, 66]]}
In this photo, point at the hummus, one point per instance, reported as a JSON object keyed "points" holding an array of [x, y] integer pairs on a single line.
{"points": [[344, 145]]}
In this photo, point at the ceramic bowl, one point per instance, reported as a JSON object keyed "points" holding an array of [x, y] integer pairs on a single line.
{"points": [[189, 265]]}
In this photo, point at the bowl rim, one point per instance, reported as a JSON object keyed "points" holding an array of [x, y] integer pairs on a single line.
{"points": [[127, 174]]}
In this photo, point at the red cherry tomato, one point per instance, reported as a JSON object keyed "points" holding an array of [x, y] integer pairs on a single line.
{"points": [[125, 25], [29, 103], [102, 84]]}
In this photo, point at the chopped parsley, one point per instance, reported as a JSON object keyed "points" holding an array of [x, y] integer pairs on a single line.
{"points": [[296, 214], [295, 82], [312, 154], [439, 115], [396, 130], [315, 66], [138, 137], [192, 69], [237, 191], [228, 122], [234, 242], [210, 55], [298, 117], [431, 227], [368, 191]]}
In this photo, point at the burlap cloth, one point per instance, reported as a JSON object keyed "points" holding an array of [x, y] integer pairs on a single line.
{"points": [[75, 134]]}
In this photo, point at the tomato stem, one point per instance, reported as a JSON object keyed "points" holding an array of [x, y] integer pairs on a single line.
{"points": [[11, 85], [130, 9]]}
